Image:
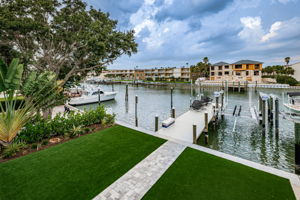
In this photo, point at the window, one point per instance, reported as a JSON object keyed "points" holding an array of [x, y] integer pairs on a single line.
{"points": [[238, 66], [256, 73], [237, 73], [247, 66], [220, 67], [97, 92], [247, 73], [226, 66], [226, 73], [220, 73], [212, 68], [257, 66], [212, 73]]}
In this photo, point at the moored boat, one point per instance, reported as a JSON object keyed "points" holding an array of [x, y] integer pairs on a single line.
{"points": [[293, 104], [92, 95]]}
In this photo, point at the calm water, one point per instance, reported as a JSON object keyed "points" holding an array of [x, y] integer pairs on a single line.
{"points": [[247, 141]]}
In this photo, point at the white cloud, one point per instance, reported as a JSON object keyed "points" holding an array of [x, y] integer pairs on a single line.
{"points": [[284, 1], [252, 29], [273, 31]]}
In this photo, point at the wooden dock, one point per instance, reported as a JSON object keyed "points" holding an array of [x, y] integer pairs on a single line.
{"points": [[182, 129]]}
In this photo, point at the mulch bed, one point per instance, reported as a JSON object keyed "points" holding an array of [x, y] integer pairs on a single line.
{"points": [[61, 139]]}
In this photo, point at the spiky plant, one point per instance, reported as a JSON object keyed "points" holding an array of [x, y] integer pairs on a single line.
{"points": [[13, 116]]}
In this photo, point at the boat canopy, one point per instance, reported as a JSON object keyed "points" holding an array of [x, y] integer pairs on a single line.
{"points": [[293, 94]]}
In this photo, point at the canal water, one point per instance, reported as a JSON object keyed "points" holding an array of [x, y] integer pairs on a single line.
{"points": [[246, 141]]}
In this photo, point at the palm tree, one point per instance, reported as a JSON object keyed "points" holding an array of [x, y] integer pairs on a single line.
{"points": [[205, 60], [287, 60]]}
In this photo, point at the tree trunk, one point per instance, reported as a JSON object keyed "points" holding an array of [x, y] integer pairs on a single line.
{"points": [[47, 113]]}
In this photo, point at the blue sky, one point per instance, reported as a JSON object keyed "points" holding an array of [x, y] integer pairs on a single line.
{"points": [[171, 33]]}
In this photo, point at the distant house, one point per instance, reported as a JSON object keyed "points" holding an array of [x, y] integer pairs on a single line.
{"points": [[296, 67], [243, 70]]}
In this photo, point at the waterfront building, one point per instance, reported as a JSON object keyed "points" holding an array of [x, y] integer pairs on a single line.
{"points": [[296, 67], [154, 74], [243, 70]]}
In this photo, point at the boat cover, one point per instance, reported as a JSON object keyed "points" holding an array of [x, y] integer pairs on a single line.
{"points": [[292, 94]]}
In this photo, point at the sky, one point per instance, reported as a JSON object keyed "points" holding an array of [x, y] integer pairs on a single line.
{"points": [[174, 33]]}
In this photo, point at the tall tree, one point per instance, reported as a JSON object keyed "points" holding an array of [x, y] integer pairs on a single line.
{"points": [[205, 60], [62, 36], [287, 60]]}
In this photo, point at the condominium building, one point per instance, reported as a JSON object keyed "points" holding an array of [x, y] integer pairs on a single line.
{"points": [[154, 74], [243, 70], [296, 67]]}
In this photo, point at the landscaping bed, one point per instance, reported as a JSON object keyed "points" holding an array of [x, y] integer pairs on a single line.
{"points": [[28, 149], [198, 175], [77, 169], [42, 133]]}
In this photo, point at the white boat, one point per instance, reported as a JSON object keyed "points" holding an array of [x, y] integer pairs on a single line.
{"points": [[293, 104], [91, 95]]}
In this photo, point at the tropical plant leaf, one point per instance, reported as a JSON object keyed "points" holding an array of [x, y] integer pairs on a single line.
{"points": [[3, 72], [14, 75]]}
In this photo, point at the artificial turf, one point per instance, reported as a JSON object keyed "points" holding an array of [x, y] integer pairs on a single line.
{"points": [[198, 175], [78, 169]]}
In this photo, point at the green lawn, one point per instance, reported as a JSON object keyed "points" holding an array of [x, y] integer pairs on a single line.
{"points": [[198, 175], [78, 169]]}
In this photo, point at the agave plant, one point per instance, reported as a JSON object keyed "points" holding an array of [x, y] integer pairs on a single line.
{"points": [[13, 116]]}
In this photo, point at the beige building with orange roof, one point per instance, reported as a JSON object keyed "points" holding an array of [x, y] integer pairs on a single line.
{"points": [[243, 70]]}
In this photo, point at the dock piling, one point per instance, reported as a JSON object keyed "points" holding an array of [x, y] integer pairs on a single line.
{"points": [[255, 86], [297, 148], [156, 123], [99, 99], [171, 98], [276, 116], [194, 134], [173, 113], [136, 118], [126, 93], [264, 113], [206, 122], [239, 86], [206, 138]]}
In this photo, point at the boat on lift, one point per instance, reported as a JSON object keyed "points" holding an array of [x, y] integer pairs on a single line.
{"points": [[91, 95], [293, 104]]}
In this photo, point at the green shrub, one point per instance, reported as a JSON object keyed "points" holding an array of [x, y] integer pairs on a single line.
{"points": [[45, 142], [108, 119], [76, 131], [62, 125], [87, 130], [34, 146], [286, 80], [12, 149]]}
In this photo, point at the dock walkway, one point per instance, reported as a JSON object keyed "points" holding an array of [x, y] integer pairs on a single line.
{"points": [[182, 129]]}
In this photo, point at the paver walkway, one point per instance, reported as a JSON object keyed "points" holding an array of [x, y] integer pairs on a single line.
{"points": [[135, 183]]}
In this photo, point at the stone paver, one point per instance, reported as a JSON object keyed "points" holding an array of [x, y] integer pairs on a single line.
{"points": [[136, 182]]}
